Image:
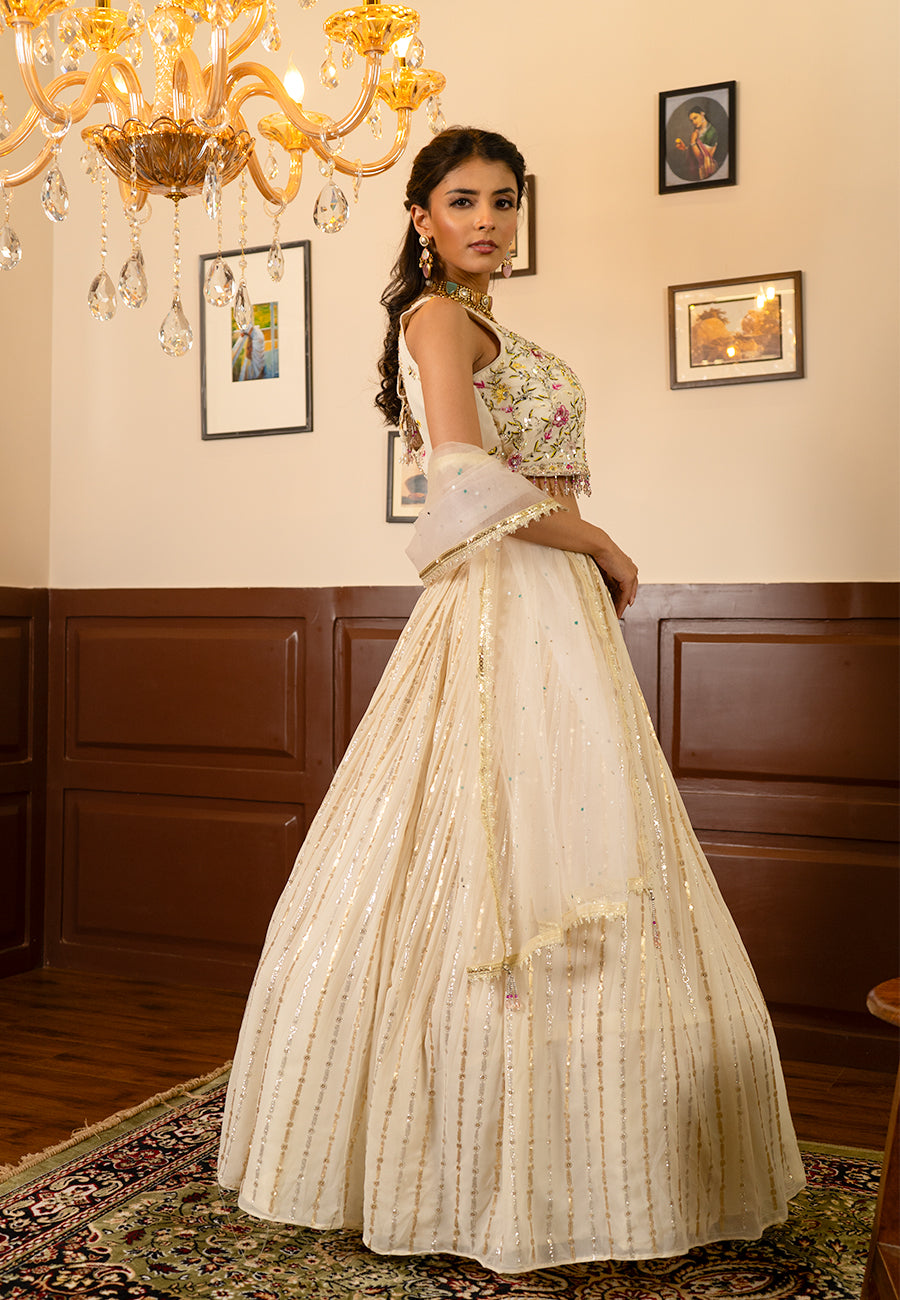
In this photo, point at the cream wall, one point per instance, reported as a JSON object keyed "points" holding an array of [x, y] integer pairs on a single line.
{"points": [[790, 481], [25, 367]]}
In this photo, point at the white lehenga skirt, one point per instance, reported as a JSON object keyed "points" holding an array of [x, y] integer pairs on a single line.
{"points": [[502, 1010]]}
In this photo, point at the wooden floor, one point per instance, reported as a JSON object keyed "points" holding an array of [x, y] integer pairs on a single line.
{"points": [[76, 1048]]}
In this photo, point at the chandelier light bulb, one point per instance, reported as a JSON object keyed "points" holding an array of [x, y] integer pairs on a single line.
{"points": [[293, 82]]}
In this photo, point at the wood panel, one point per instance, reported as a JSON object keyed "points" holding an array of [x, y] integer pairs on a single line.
{"points": [[804, 715], [184, 887], [23, 759], [362, 648], [190, 691]]}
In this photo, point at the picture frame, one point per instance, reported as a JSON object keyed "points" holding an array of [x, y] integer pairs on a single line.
{"points": [[698, 137], [275, 353], [745, 330], [406, 484], [523, 252]]}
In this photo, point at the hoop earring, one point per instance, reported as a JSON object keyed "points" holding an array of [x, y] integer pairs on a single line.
{"points": [[506, 266], [426, 261]]}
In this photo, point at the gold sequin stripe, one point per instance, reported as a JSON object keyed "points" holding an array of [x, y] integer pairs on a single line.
{"points": [[478, 541], [485, 670]]}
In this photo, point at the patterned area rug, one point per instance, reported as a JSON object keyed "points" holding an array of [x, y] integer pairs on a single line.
{"points": [[141, 1218]]}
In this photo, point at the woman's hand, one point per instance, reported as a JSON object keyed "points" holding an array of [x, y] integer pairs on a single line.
{"points": [[621, 576]]}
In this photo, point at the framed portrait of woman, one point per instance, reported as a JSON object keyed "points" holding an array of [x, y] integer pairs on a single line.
{"points": [[698, 137]]}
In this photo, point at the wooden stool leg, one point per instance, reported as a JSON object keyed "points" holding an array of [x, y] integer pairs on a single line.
{"points": [[882, 1277]]}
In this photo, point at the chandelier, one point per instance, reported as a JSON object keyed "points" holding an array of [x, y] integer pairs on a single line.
{"points": [[192, 139]]}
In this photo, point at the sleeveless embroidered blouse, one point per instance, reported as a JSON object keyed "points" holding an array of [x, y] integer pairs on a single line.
{"points": [[530, 405]]}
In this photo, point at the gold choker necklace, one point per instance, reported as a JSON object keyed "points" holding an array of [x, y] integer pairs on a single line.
{"points": [[480, 302]]}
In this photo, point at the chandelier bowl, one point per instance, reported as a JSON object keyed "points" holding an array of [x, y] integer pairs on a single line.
{"points": [[169, 157]]}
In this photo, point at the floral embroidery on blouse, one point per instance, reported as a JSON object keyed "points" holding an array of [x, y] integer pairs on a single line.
{"points": [[534, 402], [537, 406]]}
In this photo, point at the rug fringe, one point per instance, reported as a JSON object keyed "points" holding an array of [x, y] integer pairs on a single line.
{"points": [[92, 1130]]}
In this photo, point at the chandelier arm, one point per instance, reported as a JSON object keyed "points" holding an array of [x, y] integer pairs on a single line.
{"points": [[270, 192], [60, 116], [94, 92], [382, 165], [28, 173], [269, 86], [366, 98], [249, 34]]}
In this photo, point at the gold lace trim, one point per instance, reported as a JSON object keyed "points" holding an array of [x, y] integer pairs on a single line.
{"points": [[477, 542], [552, 934]]}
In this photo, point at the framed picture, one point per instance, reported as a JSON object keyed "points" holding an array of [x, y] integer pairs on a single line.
{"points": [[258, 381], [406, 484], [698, 137], [736, 331], [524, 251]]}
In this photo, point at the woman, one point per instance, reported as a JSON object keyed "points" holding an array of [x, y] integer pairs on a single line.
{"points": [[502, 1010]]}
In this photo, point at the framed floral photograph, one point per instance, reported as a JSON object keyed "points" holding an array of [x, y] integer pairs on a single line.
{"points": [[524, 251], [406, 484], [736, 331], [257, 380], [698, 137]]}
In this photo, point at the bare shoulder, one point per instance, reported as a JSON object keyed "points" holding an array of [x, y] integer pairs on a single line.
{"points": [[441, 325]]}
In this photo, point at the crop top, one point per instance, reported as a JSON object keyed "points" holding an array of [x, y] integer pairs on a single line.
{"points": [[530, 408]]}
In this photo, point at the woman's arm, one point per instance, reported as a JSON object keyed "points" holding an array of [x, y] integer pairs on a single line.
{"points": [[448, 347]]}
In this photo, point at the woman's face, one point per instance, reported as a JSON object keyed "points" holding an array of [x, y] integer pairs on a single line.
{"points": [[471, 219]]}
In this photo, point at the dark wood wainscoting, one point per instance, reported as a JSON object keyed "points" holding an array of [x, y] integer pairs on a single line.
{"points": [[192, 735], [23, 766]]}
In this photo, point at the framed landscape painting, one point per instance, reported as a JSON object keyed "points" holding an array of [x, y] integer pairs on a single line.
{"points": [[736, 331]]}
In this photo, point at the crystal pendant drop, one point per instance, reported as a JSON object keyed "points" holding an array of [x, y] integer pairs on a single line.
{"points": [[164, 31], [305, 4], [415, 54], [5, 124], [102, 297], [133, 51], [275, 261], [10, 248], [212, 190], [243, 307], [69, 27], [331, 210], [54, 195], [271, 37], [175, 334], [69, 61], [133, 281], [90, 162], [218, 287], [43, 47], [136, 17], [270, 168], [374, 120], [347, 54], [328, 74]]}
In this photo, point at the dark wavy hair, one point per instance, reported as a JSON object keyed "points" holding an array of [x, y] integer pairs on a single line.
{"points": [[450, 149]]}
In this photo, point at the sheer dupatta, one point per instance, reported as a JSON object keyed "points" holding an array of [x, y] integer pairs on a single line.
{"points": [[473, 500]]}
